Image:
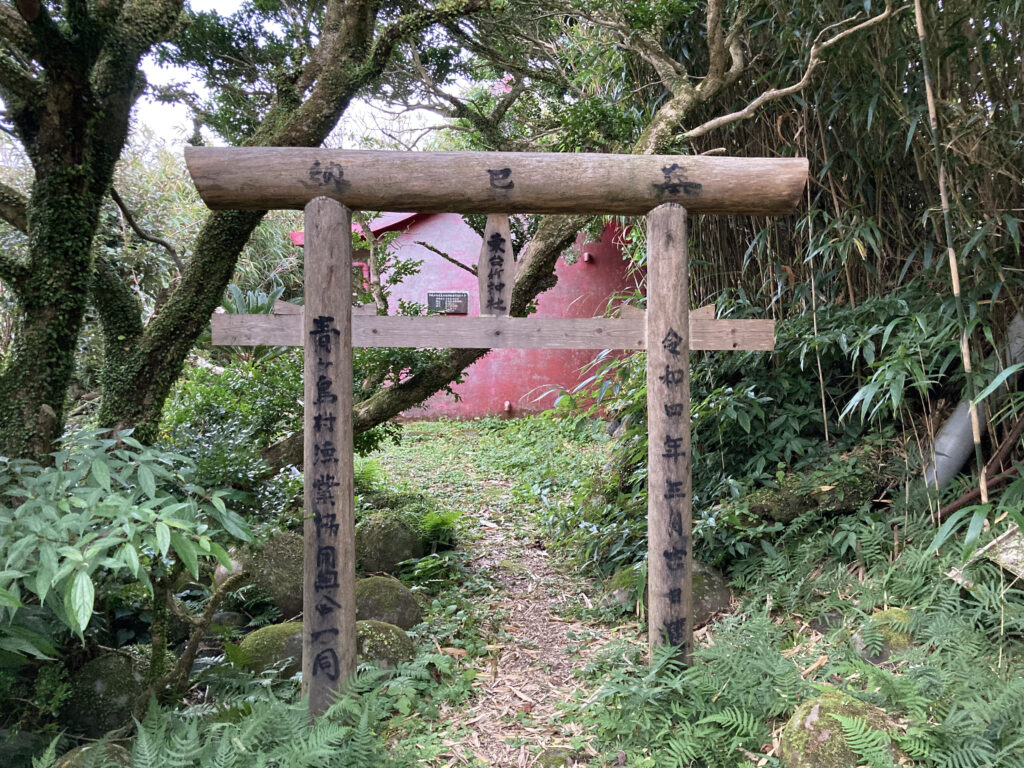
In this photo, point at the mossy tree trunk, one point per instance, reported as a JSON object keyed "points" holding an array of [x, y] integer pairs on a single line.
{"points": [[68, 79], [352, 54]]}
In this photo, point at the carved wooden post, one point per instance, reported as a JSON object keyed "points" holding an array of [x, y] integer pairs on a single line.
{"points": [[496, 269], [328, 607], [669, 557]]}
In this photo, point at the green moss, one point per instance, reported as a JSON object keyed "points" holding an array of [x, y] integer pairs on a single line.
{"points": [[892, 624], [556, 757], [277, 568], [269, 645], [814, 739], [104, 691], [383, 643], [385, 539], [384, 598]]}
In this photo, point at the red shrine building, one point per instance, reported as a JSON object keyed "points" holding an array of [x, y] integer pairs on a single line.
{"points": [[505, 381]]}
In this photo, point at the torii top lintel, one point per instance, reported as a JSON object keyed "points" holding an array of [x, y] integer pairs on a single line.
{"points": [[494, 182]]}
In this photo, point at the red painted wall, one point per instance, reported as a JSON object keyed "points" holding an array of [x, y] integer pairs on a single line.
{"points": [[520, 377]]}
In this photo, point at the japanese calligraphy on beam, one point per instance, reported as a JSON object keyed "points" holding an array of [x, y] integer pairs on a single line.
{"points": [[496, 268], [669, 539], [494, 182], [329, 573], [493, 332]]}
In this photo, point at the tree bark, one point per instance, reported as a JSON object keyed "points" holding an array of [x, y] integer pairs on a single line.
{"points": [[69, 88], [352, 54]]}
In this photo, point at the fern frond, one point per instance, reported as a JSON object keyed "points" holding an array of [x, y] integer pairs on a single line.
{"points": [[868, 744]]}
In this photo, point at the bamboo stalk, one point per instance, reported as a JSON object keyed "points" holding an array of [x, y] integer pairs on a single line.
{"points": [[954, 274]]}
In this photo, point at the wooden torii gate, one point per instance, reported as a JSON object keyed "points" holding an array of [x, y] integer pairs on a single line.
{"points": [[329, 183]]}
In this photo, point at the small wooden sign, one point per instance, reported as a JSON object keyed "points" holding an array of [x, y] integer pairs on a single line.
{"points": [[496, 269]]}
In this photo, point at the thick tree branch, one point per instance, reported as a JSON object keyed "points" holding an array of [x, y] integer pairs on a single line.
{"points": [[434, 249], [51, 47], [813, 61], [119, 308], [14, 30], [17, 83], [534, 275], [14, 208], [143, 234]]}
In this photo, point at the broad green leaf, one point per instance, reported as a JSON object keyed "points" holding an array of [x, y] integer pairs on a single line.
{"points": [[46, 572], [163, 537], [222, 556], [147, 481], [974, 529], [9, 599], [232, 524], [218, 502], [130, 556], [101, 473], [79, 601], [947, 528], [186, 552]]}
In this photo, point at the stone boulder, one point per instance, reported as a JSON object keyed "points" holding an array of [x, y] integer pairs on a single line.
{"points": [[84, 757], [558, 757], [271, 645], [384, 540], [104, 691], [891, 624], [384, 644], [813, 738], [384, 598], [276, 567], [18, 750], [711, 593]]}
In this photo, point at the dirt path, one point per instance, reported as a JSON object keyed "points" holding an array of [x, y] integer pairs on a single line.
{"points": [[533, 669]]}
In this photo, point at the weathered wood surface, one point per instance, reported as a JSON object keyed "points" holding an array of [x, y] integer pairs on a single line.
{"points": [[494, 182], [493, 332], [669, 555], [496, 268], [329, 572]]}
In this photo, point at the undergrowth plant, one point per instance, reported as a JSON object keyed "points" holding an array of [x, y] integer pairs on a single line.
{"points": [[104, 510]]}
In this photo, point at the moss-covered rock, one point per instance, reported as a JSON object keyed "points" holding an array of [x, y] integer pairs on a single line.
{"points": [[271, 645], [557, 757], [847, 483], [384, 644], [892, 624], [711, 593], [384, 540], [17, 751], [384, 598], [104, 691], [813, 738], [276, 567], [81, 757]]}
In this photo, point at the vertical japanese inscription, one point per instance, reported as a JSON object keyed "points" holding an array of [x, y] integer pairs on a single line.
{"points": [[668, 394], [496, 268], [329, 567]]}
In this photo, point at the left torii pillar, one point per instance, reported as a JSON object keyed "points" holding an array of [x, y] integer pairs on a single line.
{"points": [[328, 603]]}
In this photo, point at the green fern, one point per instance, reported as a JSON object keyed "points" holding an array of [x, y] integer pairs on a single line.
{"points": [[49, 756], [871, 746]]}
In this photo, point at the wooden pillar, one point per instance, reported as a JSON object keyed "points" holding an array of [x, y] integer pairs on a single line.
{"points": [[669, 567], [328, 607], [496, 269]]}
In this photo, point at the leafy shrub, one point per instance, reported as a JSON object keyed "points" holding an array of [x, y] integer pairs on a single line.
{"points": [[754, 414], [103, 510]]}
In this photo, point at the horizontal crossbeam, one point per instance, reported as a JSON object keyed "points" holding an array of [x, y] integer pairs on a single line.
{"points": [[492, 332], [494, 182]]}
